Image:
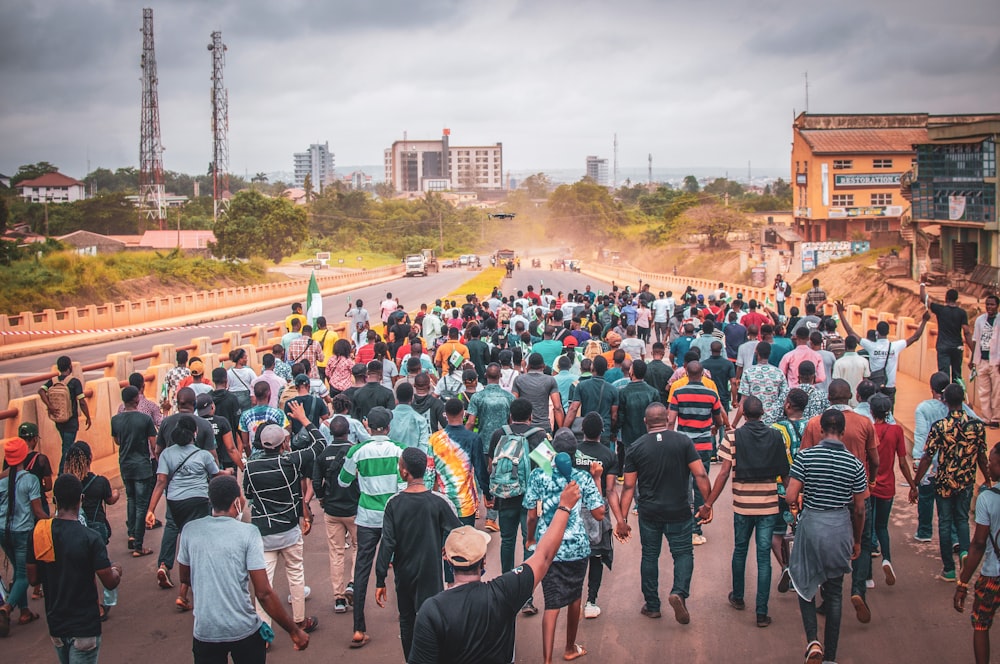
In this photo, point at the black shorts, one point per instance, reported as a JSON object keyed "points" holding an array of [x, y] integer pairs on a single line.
{"points": [[563, 583], [187, 510]]}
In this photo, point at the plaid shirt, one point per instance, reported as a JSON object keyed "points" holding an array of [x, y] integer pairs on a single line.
{"points": [[304, 348]]}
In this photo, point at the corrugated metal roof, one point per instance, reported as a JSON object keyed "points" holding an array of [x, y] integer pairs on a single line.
{"points": [[863, 141]]}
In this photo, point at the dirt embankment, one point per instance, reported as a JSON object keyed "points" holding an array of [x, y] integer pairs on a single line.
{"points": [[721, 264]]}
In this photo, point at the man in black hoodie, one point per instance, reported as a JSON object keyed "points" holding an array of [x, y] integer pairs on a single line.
{"points": [[428, 405], [757, 453]]}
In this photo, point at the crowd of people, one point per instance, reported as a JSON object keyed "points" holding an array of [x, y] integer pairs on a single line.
{"points": [[539, 412]]}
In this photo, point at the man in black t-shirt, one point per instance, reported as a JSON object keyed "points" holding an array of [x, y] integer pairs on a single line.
{"points": [[592, 449], [662, 463], [225, 444], [953, 332], [226, 403], [68, 429], [135, 435], [473, 622], [66, 570]]}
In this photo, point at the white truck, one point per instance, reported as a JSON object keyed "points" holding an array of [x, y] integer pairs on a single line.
{"points": [[416, 264]]}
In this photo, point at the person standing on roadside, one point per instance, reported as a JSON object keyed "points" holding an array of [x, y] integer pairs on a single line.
{"points": [[661, 464], [415, 522], [63, 400], [63, 556], [223, 560], [953, 332], [983, 347], [831, 484]]}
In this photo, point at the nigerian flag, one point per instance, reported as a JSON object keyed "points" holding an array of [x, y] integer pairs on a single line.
{"points": [[314, 302]]}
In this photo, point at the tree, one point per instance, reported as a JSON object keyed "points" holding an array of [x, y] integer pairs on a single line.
{"points": [[259, 226], [259, 178], [691, 185], [307, 186], [723, 187], [782, 190], [538, 185], [714, 221], [384, 190], [586, 207], [32, 171], [4, 214]]}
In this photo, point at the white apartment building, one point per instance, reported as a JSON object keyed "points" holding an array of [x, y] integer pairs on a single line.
{"points": [[597, 170], [51, 188], [417, 166], [317, 162]]}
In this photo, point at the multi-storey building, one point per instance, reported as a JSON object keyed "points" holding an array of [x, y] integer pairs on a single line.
{"points": [[597, 170], [317, 163], [417, 166]]}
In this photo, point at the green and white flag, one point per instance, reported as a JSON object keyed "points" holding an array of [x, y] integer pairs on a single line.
{"points": [[543, 456], [314, 302]]}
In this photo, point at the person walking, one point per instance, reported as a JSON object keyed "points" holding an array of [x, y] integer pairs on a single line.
{"points": [[64, 556], [661, 465], [831, 484], [135, 435], [757, 453], [415, 521], [953, 332], [63, 399], [488, 412]]}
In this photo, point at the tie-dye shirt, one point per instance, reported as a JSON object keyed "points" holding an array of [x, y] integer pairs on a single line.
{"points": [[459, 468]]}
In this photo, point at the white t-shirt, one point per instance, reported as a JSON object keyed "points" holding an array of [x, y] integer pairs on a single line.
{"points": [[386, 308], [877, 352], [663, 309]]}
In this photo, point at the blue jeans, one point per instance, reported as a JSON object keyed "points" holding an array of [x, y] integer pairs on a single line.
{"points": [[953, 514], [743, 528], [882, 509], [833, 599], [510, 516], [16, 551], [137, 494], [861, 567], [925, 510], [68, 438], [699, 500], [168, 542], [678, 536], [77, 649]]}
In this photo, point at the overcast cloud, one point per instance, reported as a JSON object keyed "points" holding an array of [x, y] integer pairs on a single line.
{"points": [[695, 84]]}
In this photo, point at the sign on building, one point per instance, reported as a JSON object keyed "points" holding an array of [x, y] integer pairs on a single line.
{"points": [[866, 180]]}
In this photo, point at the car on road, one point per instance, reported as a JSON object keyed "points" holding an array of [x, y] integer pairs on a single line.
{"points": [[451, 262], [313, 263], [463, 259]]}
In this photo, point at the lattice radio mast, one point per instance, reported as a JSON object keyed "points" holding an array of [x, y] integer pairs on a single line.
{"points": [[152, 199], [220, 128]]}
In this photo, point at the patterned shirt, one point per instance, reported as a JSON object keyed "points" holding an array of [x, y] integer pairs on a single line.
{"points": [[750, 497], [283, 370], [457, 462], [258, 415], [546, 488], [491, 406], [818, 400], [960, 440], [148, 407], [791, 432], [830, 476], [304, 348], [376, 465], [768, 384], [172, 380]]}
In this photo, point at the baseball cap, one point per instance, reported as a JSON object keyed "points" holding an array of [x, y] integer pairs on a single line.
{"points": [[301, 379], [379, 417], [272, 436], [197, 368], [570, 341], [466, 546], [27, 430], [203, 404]]}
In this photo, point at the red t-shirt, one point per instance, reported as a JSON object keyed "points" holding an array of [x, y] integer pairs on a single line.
{"points": [[890, 447], [755, 318]]}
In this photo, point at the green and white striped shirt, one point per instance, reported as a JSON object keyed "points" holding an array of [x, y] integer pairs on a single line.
{"points": [[376, 465]]}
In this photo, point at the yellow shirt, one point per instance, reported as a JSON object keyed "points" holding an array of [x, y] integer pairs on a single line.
{"points": [[683, 380], [326, 338], [288, 321]]}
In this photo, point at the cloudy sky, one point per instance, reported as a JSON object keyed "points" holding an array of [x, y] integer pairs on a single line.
{"points": [[696, 84]]}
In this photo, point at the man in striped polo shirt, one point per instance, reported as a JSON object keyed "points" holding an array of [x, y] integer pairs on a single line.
{"points": [[375, 463], [832, 485], [757, 452], [696, 412]]}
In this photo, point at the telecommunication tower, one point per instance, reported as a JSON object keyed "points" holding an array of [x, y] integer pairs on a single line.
{"points": [[152, 199], [220, 128]]}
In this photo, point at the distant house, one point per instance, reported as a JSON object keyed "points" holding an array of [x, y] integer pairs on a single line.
{"points": [[5, 180], [175, 239], [91, 244], [22, 235], [52, 188], [295, 195]]}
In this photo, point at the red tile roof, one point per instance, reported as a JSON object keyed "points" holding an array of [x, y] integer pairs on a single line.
{"points": [[50, 180], [169, 239], [863, 141]]}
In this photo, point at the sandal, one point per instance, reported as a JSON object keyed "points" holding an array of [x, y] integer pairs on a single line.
{"points": [[308, 625], [360, 643], [37, 593], [139, 553], [578, 652], [814, 652], [26, 618], [183, 604]]}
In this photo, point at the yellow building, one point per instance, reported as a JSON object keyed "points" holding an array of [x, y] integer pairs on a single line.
{"points": [[846, 171]]}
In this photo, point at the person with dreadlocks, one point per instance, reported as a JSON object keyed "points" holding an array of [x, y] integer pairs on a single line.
{"points": [[20, 507]]}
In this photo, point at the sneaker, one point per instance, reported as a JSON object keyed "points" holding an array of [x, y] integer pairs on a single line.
{"points": [[921, 538], [869, 584], [763, 620], [491, 526], [680, 609], [876, 553], [948, 577], [785, 581], [649, 613], [737, 604], [349, 593], [163, 577], [591, 610], [529, 608], [304, 596], [861, 609], [890, 574], [697, 539]]}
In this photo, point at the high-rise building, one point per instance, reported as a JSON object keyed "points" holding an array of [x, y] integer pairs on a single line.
{"points": [[434, 165], [597, 170], [317, 162]]}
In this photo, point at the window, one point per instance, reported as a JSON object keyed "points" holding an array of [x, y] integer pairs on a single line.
{"points": [[882, 163], [875, 225], [881, 199], [843, 200], [842, 164]]}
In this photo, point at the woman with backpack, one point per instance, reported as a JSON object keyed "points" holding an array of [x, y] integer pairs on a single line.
{"points": [[182, 473], [338, 368], [20, 508], [241, 377]]}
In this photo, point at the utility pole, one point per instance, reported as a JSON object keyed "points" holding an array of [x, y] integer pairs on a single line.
{"points": [[220, 128], [152, 197], [441, 231]]}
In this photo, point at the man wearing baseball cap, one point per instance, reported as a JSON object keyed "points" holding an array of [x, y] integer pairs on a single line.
{"points": [[35, 463], [474, 621]]}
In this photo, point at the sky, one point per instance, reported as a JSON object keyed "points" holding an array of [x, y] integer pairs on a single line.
{"points": [[697, 85]]}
